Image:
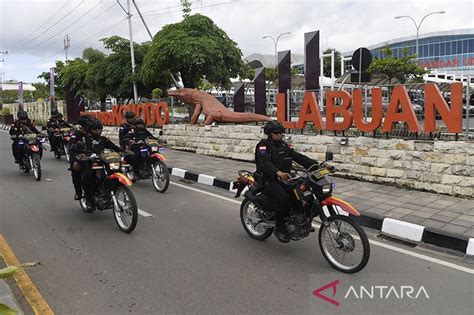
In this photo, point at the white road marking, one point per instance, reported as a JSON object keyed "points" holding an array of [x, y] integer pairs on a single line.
{"points": [[373, 242], [206, 193], [144, 213]]}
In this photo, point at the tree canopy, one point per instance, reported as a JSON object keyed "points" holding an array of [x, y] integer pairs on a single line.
{"points": [[96, 75], [327, 63], [391, 67], [195, 48]]}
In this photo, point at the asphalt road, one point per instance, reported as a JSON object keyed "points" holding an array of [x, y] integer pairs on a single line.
{"points": [[193, 256]]}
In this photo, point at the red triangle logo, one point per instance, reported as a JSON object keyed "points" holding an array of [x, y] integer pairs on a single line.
{"points": [[332, 285]]}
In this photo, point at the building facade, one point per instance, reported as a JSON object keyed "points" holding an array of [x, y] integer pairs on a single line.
{"points": [[448, 51]]}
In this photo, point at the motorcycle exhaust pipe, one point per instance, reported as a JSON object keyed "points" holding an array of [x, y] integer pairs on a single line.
{"points": [[267, 224]]}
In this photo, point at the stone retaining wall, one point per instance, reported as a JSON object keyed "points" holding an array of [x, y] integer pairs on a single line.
{"points": [[441, 166], [40, 111]]}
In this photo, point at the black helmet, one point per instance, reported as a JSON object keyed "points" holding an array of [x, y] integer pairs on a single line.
{"points": [[94, 124], [22, 115], [129, 115], [139, 121], [54, 113], [272, 126], [59, 115], [84, 120]]}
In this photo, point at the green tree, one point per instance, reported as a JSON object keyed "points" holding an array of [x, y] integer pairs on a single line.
{"points": [[156, 93], [247, 72], [327, 63], [195, 48], [58, 86], [42, 90], [399, 68], [186, 5], [92, 55], [271, 74], [95, 77], [74, 76], [9, 96]]}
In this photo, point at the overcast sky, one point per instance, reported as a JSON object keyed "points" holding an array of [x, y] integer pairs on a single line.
{"points": [[33, 30]]}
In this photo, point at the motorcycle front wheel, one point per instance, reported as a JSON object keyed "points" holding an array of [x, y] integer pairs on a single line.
{"points": [[160, 176], [249, 218], [344, 244], [125, 209], [57, 153], [36, 166], [66, 151]]}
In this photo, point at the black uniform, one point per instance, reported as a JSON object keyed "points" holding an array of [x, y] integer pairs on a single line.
{"points": [[77, 137], [89, 146], [55, 123], [124, 132], [271, 157], [16, 129], [136, 134]]}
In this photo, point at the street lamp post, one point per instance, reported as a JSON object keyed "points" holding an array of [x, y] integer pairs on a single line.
{"points": [[275, 42], [1, 78], [418, 26]]}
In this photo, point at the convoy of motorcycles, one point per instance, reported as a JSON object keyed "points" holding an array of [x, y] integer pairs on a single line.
{"points": [[342, 241]]}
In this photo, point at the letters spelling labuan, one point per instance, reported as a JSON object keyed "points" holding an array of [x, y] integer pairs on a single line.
{"points": [[399, 109]]}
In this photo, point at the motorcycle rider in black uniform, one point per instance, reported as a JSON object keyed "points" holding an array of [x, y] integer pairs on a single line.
{"points": [[93, 143], [274, 158], [21, 126], [77, 137], [126, 127], [137, 132], [55, 123]]}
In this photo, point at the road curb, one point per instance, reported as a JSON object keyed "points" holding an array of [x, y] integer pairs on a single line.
{"points": [[398, 229], [33, 297]]}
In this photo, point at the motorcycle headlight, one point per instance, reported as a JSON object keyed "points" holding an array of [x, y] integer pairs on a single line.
{"points": [[327, 189], [114, 166], [154, 149]]}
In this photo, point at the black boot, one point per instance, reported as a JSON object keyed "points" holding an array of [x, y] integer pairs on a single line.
{"points": [[90, 204], [78, 195], [281, 235]]}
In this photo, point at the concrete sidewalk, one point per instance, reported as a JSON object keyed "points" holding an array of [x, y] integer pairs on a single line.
{"points": [[451, 216]]}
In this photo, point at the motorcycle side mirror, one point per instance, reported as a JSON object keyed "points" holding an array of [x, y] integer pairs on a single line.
{"points": [[161, 132], [329, 156]]}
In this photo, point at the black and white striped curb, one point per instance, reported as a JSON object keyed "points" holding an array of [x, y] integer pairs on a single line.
{"points": [[5, 127], [398, 229]]}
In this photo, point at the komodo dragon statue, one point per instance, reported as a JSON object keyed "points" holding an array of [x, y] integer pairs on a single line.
{"points": [[212, 108]]}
